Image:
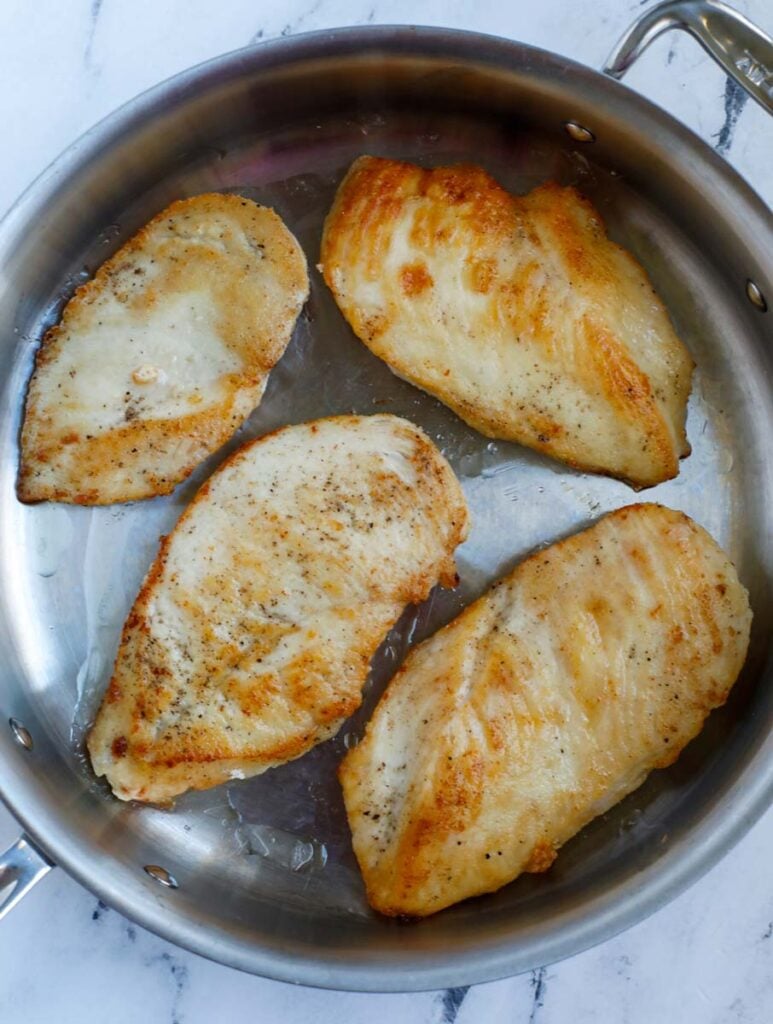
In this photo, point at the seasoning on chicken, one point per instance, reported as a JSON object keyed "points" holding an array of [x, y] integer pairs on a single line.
{"points": [[161, 356], [542, 705], [516, 311], [253, 632]]}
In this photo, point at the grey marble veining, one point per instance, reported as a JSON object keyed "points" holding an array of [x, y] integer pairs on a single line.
{"points": [[707, 958]]}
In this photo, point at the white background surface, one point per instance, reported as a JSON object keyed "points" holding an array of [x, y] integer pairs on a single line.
{"points": [[705, 959]]}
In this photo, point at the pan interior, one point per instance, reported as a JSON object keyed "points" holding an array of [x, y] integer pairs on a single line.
{"points": [[268, 861]]}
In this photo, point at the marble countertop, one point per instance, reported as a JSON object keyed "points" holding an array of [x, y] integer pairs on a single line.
{"points": [[707, 958]]}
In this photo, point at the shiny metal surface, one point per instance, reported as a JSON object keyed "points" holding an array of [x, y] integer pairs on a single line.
{"points": [[742, 49], [21, 866], [755, 296], [578, 133], [266, 876], [21, 734], [161, 875]]}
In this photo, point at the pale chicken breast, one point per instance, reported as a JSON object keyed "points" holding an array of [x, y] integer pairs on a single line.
{"points": [[517, 312], [541, 706], [161, 356], [253, 632]]}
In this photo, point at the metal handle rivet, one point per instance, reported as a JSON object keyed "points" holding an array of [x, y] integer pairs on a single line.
{"points": [[578, 133], [21, 734], [161, 875], [755, 296]]}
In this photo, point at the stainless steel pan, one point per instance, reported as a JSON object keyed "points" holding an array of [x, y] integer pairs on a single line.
{"points": [[260, 875]]}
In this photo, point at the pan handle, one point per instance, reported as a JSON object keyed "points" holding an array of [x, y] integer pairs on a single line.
{"points": [[21, 866], [744, 51]]}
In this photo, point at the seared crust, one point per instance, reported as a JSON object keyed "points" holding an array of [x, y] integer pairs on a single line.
{"points": [[161, 356], [253, 632], [542, 705], [517, 312]]}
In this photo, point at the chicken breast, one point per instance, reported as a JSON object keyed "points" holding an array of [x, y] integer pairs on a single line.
{"points": [[161, 357], [541, 706], [517, 312], [253, 632]]}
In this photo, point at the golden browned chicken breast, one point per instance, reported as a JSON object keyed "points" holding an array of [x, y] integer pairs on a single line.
{"points": [[517, 312], [159, 358], [541, 706], [253, 633]]}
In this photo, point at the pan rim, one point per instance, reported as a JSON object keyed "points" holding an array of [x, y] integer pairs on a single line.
{"points": [[740, 806]]}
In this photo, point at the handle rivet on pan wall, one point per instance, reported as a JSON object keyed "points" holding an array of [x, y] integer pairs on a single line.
{"points": [[161, 875], [21, 734], [755, 296], [578, 133]]}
